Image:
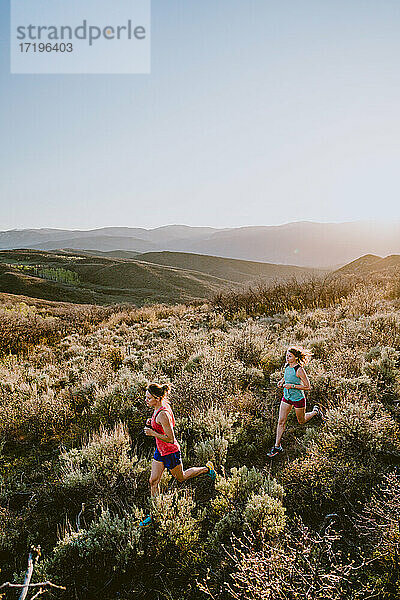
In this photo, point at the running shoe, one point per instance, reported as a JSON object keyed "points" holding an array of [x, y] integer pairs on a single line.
{"points": [[146, 522], [275, 450], [320, 411], [211, 470]]}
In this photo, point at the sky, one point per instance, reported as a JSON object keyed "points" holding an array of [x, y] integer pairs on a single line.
{"points": [[256, 112]]}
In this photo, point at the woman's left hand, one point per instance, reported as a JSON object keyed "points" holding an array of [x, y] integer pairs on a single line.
{"points": [[148, 431], [288, 386]]}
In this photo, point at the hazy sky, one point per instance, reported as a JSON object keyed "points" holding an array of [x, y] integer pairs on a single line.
{"points": [[255, 113]]}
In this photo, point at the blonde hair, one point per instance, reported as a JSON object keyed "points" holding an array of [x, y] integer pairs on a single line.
{"points": [[158, 391], [303, 355]]}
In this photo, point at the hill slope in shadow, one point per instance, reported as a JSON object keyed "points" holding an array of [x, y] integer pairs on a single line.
{"points": [[102, 279], [239, 271]]}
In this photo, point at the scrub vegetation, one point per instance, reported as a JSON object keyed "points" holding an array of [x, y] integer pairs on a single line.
{"points": [[319, 522]]}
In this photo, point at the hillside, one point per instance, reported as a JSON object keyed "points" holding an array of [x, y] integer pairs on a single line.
{"points": [[123, 277], [75, 462], [124, 254], [48, 306], [101, 280], [372, 264], [239, 271], [105, 278]]}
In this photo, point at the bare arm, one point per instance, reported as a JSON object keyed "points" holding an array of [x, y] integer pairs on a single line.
{"points": [[305, 382], [165, 422]]}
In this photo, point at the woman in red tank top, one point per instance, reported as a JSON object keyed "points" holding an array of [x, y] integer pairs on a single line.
{"points": [[167, 454]]}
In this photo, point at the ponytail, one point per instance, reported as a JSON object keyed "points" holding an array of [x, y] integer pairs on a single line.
{"points": [[159, 391], [303, 355]]}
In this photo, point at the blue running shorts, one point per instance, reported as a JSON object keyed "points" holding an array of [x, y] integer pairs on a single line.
{"points": [[170, 461]]}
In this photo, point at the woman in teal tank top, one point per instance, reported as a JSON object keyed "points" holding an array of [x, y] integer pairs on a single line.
{"points": [[294, 383]]}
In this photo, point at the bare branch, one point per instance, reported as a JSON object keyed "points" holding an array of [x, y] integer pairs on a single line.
{"points": [[32, 585]]}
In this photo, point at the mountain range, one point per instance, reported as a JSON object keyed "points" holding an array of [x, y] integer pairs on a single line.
{"points": [[306, 244]]}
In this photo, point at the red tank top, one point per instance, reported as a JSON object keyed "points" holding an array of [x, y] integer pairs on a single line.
{"points": [[164, 448]]}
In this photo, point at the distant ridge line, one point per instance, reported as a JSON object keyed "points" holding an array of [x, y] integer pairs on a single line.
{"points": [[300, 243]]}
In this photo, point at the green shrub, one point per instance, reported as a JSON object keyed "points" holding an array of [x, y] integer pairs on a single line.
{"points": [[345, 363], [214, 421], [209, 386], [100, 466], [83, 396], [10, 532], [207, 435], [386, 327], [301, 332], [88, 559], [382, 367], [379, 533], [214, 449], [245, 490], [29, 415], [247, 344], [360, 430], [364, 300], [273, 358], [330, 389], [176, 527], [344, 462], [253, 378], [116, 357], [233, 491], [265, 514], [321, 346], [253, 436], [122, 400], [195, 362]]}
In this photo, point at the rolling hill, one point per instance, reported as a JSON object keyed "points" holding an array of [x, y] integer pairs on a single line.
{"points": [[101, 279], [372, 264], [238, 271], [124, 277]]}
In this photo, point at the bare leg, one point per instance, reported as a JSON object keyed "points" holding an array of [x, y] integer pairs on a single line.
{"points": [[157, 469], [304, 417], [181, 475], [284, 411]]}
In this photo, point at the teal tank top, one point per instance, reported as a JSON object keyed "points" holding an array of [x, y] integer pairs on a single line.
{"points": [[291, 377]]}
